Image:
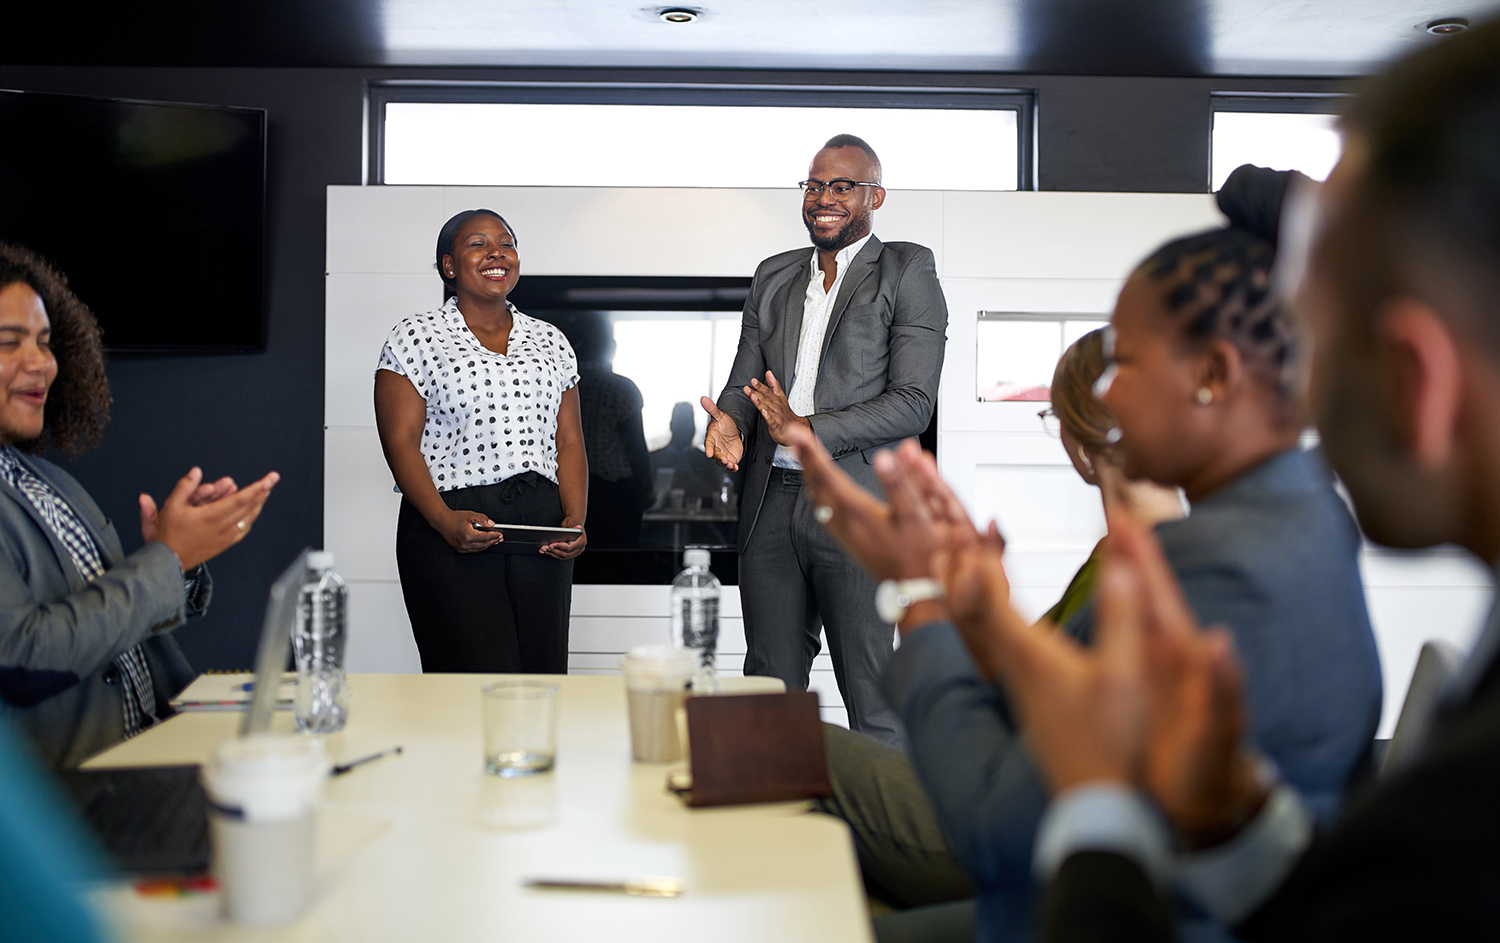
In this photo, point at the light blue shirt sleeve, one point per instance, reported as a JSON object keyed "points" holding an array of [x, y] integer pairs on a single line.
{"points": [[1103, 817], [1235, 878], [1229, 881]]}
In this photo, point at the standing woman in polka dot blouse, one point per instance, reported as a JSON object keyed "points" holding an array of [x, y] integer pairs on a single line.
{"points": [[477, 407]]}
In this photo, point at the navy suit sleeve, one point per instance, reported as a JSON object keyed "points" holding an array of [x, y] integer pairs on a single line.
{"points": [[987, 792]]}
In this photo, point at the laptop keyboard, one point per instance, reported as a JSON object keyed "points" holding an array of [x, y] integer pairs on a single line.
{"points": [[150, 820]]}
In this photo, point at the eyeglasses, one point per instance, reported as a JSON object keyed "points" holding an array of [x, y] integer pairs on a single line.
{"points": [[1051, 424], [841, 187]]}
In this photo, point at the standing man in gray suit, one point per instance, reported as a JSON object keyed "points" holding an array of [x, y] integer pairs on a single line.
{"points": [[848, 341]]}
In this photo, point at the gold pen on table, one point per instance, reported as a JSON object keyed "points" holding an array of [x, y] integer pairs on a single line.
{"points": [[639, 887]]}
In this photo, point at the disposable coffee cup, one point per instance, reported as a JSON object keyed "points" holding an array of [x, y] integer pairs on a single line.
{"points": [[263, 794], [656, 682]]}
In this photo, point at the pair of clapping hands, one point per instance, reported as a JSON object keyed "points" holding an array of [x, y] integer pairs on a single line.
{"points": [[200, 520], [1155, 704]]}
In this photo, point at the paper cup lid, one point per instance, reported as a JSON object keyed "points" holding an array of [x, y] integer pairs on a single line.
{"points": [[658, 664], [266, 777]]}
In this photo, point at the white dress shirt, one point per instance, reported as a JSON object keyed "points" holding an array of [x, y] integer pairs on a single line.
{"points": [[816, 305]]}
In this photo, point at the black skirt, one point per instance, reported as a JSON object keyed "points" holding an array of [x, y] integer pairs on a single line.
{"points": [[504, 609]]}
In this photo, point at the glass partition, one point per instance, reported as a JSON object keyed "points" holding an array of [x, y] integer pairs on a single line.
{"points": [[1017, 352]]}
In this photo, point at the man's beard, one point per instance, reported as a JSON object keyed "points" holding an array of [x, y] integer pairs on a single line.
{"points": [[856, 225]]}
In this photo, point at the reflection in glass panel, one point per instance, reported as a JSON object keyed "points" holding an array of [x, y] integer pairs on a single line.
{"points": [[648, 349], [1309, 143], [1017, 353]]}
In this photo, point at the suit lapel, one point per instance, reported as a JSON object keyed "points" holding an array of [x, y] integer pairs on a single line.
{"points": [[860, 268], [789, 301], [64, 559]]}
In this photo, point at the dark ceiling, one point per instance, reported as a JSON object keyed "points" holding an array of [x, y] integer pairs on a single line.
{"points": [[1080, 37]]}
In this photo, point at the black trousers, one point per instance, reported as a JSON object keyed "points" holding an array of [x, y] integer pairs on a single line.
{"points": [[502, 610]]}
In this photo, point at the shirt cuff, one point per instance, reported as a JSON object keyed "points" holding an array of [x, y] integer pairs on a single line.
{"points": [[1232, 880], [1103, 817]]}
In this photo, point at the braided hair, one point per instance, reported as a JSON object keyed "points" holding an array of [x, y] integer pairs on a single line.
{"points": [[1218, 283], [78, 401]]}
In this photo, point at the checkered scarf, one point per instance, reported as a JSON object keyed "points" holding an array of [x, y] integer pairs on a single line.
{"points": [[135, 675]]}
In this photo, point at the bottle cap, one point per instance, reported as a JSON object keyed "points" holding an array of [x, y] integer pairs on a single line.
{"points": [[320, 560], [695, 556]]}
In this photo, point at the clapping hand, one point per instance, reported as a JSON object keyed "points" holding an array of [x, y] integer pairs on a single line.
{"points": [[1156, 702], [775, 409], [722, 442], [891, 541], [199, 521]]}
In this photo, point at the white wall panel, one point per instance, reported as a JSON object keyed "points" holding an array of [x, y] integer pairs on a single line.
{"points": [[359, 505], [640, 231], [361, 310], [1025, 234], [381, 230], [380, 639]]}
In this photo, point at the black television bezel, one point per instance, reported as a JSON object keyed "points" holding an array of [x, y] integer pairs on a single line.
{"points": [[188, 350]]}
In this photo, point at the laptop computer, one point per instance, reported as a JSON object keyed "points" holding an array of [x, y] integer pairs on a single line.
{"points": [[154, 819]]}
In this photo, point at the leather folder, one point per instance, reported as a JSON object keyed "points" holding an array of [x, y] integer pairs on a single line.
{"points": [[756, 748]]}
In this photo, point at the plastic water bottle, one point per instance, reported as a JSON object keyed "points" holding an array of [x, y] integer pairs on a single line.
{"points": [[322, 702], [695, 616]]}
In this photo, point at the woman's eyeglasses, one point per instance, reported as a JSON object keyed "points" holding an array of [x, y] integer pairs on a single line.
{"points": [[1050, 422]]}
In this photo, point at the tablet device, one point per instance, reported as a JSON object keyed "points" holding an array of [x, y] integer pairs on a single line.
{"points": [[531, 534]]}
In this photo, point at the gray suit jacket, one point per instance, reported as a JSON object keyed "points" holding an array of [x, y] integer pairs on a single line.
{"points": [[878, 375], [60, 634]]}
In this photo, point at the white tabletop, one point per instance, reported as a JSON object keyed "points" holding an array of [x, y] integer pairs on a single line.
{"points": [[427, 846]]}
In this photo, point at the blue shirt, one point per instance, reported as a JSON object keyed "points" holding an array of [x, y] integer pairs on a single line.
{"points": [[1273, 556]]}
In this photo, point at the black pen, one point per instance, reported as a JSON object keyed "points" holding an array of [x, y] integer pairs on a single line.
{"points": [[342, 768]]}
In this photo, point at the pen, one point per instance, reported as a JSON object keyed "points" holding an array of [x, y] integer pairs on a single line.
{"points": [[343, 768], [641, 887]]}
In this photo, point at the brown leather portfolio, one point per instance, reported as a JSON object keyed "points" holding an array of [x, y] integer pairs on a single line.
{"points": [[756, 748]]}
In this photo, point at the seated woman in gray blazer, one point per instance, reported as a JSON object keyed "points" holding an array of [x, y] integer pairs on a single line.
{"points": [[86, 658]]}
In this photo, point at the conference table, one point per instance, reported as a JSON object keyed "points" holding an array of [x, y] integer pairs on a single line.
{"points": [[427, 846]]}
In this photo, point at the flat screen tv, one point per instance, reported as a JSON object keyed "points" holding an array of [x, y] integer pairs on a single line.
{"points": [[154, 211]]}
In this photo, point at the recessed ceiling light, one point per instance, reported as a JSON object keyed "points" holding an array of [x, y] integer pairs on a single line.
{"points": [[679, 15], [1447, 26]]}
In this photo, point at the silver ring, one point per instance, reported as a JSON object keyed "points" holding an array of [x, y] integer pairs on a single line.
{"points": [[823, 513]]}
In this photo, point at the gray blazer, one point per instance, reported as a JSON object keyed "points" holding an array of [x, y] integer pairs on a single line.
{"points": [[59, 634], [878, 375]]}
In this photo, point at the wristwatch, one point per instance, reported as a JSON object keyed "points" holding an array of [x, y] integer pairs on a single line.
{"points": [[894, 597]]}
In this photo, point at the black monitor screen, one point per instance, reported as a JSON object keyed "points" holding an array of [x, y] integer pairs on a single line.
{"points": [[154, 211]]}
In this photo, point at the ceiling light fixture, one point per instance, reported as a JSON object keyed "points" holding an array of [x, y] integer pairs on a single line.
{"points": [[679, 15], [1447, 26]]}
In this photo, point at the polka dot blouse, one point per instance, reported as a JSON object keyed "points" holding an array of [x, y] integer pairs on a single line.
{"points": [[489, 416]]}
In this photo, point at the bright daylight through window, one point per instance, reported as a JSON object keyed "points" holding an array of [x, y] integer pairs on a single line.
{"points": [[548, 145], [1305, 142]]}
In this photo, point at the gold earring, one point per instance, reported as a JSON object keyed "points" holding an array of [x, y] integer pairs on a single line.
{"points": [[1205, 396]]}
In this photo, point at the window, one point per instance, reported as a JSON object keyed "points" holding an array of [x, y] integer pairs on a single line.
{"points": [[692, 137], [1281, 133], [1017, 353]]}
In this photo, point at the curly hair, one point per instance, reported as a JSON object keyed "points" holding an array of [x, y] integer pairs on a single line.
{"points": [[1218, 283], [78, 402]]}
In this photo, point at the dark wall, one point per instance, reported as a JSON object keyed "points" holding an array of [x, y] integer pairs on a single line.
{"points": [[243, 415]]}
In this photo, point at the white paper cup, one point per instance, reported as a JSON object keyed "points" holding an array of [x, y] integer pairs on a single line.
{"points": [[656, 680], [263, 792]]}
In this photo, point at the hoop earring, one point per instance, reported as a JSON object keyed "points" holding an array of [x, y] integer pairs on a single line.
{"points": [[1083, 456], [1205, 396]]}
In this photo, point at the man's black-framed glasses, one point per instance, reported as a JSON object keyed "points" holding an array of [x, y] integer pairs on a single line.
{"points": [[841, 187], [1051, 424]]}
